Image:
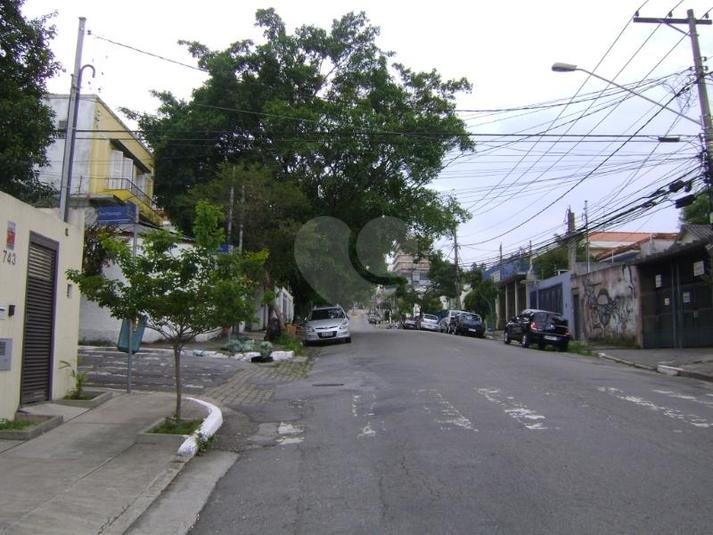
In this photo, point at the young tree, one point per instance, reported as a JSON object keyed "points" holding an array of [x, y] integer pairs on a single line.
{"points": [[26, 63], [182, 291]]}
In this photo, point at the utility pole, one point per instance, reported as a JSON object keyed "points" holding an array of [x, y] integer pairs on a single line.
{"points": [[700, 71], [70, 133], [242, 217], [571, 242], [230, 211], [586, 235], [455, 246]]}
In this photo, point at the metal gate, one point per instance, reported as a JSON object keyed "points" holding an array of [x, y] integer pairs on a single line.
{"points": [[39, 320]]}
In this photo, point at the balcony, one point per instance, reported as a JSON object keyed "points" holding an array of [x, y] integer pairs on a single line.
{"points": [[127, 190]]}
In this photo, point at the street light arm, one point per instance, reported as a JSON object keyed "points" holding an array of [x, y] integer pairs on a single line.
{"points": [[567, 67]]}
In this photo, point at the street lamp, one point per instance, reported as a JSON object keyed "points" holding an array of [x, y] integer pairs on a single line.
{"points": [[568, 67], [704, 124]]}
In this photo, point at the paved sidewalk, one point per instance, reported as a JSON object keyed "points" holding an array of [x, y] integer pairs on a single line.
{"points": [[88, 475], [696, 362]]}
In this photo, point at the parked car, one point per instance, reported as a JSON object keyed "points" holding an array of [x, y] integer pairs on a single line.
{"points": [[327, 323], [540, 327], [470, 324], [448, 321], [373, 318], [409, 323], [429, 322]]}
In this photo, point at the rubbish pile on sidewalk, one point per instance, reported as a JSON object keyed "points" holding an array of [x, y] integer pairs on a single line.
{"points": [[246, 349]]}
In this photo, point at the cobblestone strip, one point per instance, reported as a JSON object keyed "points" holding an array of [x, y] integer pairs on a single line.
{"points": [[242, 390]]}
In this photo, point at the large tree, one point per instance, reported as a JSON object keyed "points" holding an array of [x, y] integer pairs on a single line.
{"points": [[324, 114], [26, 122]]}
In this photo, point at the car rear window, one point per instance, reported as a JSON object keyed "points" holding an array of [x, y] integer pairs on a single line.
{"points": [[326, 314], [558, 320]]}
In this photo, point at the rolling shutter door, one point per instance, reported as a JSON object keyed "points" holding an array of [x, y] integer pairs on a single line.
{"points": [[39, 323]]}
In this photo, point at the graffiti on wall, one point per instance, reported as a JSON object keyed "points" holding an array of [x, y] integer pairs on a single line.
{"points": [[610, 304]]}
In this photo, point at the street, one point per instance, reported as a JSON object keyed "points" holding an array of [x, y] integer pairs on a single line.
{"points": [[416, 432]]}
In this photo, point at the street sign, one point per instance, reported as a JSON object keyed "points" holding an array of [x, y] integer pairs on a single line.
{"points": [[116, 214]]}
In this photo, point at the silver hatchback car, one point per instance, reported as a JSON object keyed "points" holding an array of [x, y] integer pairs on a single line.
{"points": [[327, 323]]}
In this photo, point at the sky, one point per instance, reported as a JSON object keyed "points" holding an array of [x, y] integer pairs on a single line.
{"points": [[602, 145]]}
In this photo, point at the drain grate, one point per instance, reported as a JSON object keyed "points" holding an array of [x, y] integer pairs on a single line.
{"points": [[328, 384]]}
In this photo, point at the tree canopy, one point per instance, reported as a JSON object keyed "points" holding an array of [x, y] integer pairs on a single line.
{"points": [[698, 212], [323, 120], [26, 122]]}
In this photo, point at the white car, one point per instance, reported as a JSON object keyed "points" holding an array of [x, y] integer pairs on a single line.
{"points": [[326, 324], [429, 322]]}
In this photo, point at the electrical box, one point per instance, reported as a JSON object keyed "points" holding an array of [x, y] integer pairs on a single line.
{"points": [[5, 354], [3, 312]]}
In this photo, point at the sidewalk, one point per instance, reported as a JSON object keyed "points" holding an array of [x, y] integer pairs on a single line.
{"points": [[695, 362], [88, 475]]}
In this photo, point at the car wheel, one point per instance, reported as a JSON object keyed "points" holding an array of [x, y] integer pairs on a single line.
{"points": [[541, 345], [562, 347], [348, 340], [506, 337], [526, 340]]}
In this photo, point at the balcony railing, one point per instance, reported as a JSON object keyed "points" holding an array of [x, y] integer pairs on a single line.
{"points": [[127, 190]]}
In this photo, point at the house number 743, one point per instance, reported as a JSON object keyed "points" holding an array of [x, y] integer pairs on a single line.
{"points": [[8, 257]]}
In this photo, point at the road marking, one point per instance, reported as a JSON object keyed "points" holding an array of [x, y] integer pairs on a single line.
{"points": [[516, 410], [366, 412], [676, 395], [289, 434], [691, 419], [447, 414]]}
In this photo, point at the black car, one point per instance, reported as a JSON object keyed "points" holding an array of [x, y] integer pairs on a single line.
{"points": [[539, 327], [469, 324]]}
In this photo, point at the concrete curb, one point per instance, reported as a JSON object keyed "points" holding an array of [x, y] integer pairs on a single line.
{"points": [[207, 429], [626, 362], [672, 371]]}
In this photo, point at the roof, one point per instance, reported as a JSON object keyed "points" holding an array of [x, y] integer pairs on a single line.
{"points": [[628, 237]]}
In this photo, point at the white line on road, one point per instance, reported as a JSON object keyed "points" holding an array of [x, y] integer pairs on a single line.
{"points": [[449, 415], [516, 410], [666, 411], [676, 395], [359, 410]]}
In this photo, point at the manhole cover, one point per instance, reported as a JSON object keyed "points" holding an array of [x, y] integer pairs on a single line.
{"points": [[328, 384]]}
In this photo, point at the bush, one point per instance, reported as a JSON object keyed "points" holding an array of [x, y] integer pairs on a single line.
{"points": [[290, 343]]}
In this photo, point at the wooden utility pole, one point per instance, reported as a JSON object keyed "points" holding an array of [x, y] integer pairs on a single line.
{"points": [[455, 246]]}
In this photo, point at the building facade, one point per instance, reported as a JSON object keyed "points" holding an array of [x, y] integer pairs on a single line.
{"points": [[39, 306]]}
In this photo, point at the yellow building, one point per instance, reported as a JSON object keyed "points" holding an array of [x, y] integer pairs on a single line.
{"points": [[111, 165]]}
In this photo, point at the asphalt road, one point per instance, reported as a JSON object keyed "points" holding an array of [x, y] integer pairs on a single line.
{"points": [[414, 432]]}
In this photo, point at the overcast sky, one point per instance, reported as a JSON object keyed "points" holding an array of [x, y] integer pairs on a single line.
{"points": [[505, 48]]}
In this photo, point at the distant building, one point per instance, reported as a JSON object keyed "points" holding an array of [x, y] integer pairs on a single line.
{"points": [[620, 246], [414, 271]]}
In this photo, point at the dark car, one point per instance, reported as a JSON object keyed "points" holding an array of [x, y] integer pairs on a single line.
{"points": [[539, 327], [469, 324]]}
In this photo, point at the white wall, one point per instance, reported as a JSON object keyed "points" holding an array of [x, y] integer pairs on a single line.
{"points": [[13, 280]]}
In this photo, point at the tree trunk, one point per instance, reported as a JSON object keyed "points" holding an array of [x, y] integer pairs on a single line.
{"points": [[177, 369]]}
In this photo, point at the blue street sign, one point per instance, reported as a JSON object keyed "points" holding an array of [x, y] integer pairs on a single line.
{"points": [[116, 214]]}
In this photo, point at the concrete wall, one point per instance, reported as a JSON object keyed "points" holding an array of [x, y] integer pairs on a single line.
{"points": [[610, 304], [13, 280], [565, 279]]}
